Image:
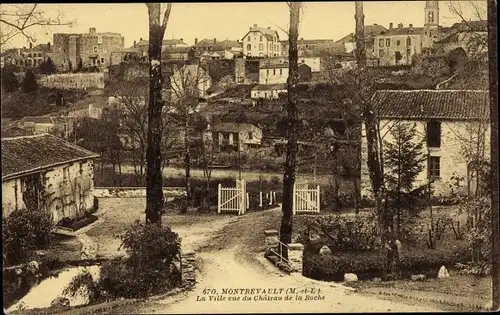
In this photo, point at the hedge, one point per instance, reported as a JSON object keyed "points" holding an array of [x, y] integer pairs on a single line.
{"points": [[372, 264]]}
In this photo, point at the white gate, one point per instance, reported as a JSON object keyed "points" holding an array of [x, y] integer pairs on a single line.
{"points": [[305, 198], [232, 199]]}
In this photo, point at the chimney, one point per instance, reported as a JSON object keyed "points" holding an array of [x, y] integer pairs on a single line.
{"points": [[182, 39], [400, 25], [302, 38], [255, 25], [92, 30], [196, 41], [140, 39], [134, 43], [411, 25], [391, 25], [269, 27], [31, 45], [215, 40]]}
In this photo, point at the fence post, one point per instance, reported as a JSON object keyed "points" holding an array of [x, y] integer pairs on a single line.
{"points": [[274, 196], [248, 201], [219, 189], [260, 199], [318, 199], [270, 198]]}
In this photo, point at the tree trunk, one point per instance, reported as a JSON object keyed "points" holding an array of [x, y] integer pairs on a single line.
{"points": [[360, 35], [154, 191], [292, 130], [187, 159]]}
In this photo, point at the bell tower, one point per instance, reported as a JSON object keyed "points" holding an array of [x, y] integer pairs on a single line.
{"points": [[431, 25]]}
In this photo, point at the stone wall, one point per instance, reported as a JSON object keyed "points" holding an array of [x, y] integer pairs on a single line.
{"points": [[188, 269], [134, 192], [74, 80]]}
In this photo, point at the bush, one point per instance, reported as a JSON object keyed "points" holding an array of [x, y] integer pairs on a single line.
{"points": [[29, 83], [147, 270], [341, 234], [23, 231], [372, 264]]}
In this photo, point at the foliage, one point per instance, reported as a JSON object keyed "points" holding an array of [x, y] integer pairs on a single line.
{"points": [[9, 80], [372, 264], [47, 67], [83, 284], [341, 234], [23, 231], [146, 270], [29, 83]]}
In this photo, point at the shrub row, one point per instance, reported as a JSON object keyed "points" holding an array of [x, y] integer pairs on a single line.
{"points": [[371, 264]]}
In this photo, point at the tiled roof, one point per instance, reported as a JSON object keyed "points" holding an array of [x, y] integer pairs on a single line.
{"points": [[206, 43], [177, 49], [233, 127], [267, 32], [403, 31], [31, 153], [370, 31], [432, 104], [270, 87], [273, 66], [38, 119], [481, 26]]}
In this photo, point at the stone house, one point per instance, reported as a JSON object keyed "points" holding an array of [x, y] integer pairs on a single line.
{"points": [[305, 73], [261, 42], [268, 91], [312, 47], [470, 36], [120, 55], [179, 53], [270, 73], [58, 172], [92, 48], [190, 79], [242, 136], [60, 126], [370, 31], [450, 122]]}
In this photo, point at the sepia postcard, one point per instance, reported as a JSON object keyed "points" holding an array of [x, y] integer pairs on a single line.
{"points": [[249, 157]]}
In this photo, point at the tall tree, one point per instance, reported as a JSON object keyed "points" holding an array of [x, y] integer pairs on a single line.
{"points": [[360, 34], [20, 19], [292, 125], [404, 161], [495, 215], [29, 83], [154, 178], [9, 80]]}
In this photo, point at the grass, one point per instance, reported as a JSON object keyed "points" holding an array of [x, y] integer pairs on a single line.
{"points": [[456, 293]]}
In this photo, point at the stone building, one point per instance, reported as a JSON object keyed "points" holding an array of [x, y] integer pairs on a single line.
{"points": [[273, 73], [446, 120], [92, 48], [237, 136], [58, 172], [261, 42]]}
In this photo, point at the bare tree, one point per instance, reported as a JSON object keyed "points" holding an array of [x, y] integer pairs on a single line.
{"points": [[475, 26], [154, 177], [186, 83], [292, 125], [20, 19]]}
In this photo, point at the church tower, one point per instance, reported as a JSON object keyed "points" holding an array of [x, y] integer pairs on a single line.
{"points": [[431, 25]]}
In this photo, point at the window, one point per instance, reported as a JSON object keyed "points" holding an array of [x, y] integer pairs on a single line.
{"points": [[249, 47], [281, 71], [398, 43], [381, 53], [267, 71], [102, 60], [65, 173], [99, 39], [408, 41], [261, 47], [274, 71], [249, 38], [250, 135], [388, 42], [434, 134], [95, 49], [260, 38], [381, 42], [434, 167]]}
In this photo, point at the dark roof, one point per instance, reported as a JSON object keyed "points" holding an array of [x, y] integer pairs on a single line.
{"points": [[370, 31], [481, 26], [206, 43], [432, 104], [27, 154], [38, 119], [309, 41], [233, 127], [267, 32], [403, 31], [165, 42]]}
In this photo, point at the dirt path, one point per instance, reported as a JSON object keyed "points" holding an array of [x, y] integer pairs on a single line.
{"points": [[228, 259]]}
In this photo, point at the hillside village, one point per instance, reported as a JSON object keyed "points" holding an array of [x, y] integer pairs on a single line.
{"points": [[74, 129]]}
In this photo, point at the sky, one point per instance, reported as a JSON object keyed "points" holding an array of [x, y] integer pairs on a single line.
{"points": [[320, 20]]}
